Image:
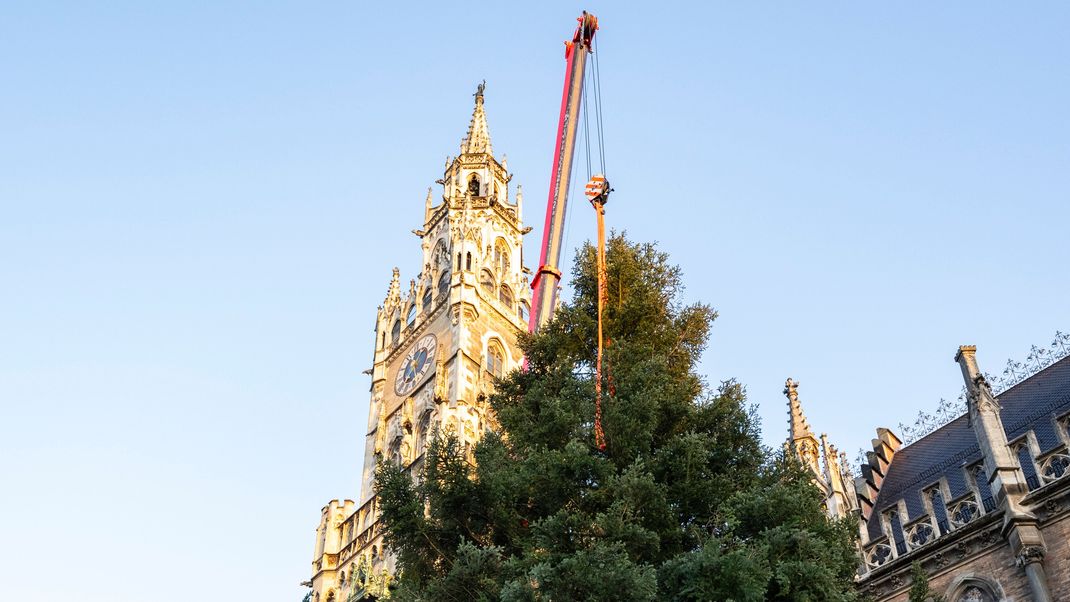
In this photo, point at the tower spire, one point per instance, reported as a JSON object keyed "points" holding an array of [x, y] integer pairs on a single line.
{"points": [[478, 138], [801, 438], [798, 427]]}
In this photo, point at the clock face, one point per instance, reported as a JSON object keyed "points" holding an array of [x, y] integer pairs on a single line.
{"points": [[416, 365]]}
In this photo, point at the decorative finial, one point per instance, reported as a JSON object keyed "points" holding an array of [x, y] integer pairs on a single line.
{"points": [[790, 389]]}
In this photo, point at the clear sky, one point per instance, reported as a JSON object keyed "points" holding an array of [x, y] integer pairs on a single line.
{"points": [[202, 203]]}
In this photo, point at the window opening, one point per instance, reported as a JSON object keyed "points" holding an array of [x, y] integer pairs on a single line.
{"points": [[486, 280], [444, 282], [505, 295], [501, 257], [495, 359], [897, 532], [940, 510], [1025, 460], [980, 478]]}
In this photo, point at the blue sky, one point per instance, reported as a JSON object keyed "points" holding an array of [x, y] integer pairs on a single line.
{"points": [[202, 203]]}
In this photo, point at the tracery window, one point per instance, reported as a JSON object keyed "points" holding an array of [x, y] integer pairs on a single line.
{"points": [[444, 284], [878, 555], [523, 311], [976, 590], [963, 512], [920, 534], [1055, 467], [411, 317], [501, 257], [473, 185], [495, 359], [505, 295], [395, 332], [427, 300], [486, 280]]}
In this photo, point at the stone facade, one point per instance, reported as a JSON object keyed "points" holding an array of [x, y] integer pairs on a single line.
{"points": [[982, 503], [439, 343]]}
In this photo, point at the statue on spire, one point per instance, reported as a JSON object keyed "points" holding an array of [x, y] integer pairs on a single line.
{"points": [[479, 90]]}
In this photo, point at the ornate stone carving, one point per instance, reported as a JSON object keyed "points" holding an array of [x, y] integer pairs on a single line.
{"points": [[1029, 555], [791, 389], [441, 384]]}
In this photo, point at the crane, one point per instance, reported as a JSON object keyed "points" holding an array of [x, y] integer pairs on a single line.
{"points": [[548, 277]]}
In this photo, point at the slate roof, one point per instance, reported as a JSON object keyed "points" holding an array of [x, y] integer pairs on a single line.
{"points": [[1032, 404]]}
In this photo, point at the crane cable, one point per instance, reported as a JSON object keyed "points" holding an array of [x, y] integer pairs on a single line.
{"points": [[598, 193]]}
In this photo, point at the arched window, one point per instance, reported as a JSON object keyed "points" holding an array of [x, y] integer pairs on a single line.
{"points": [[395, 332], [974, 589], [458, 262], [468, 262], [411, 317], [486, 280], [383, 344], [473, 185], [495, 359], [523, 311], [501, 257], [395, 450], [505, 295], [444, 284], [427, 300]]}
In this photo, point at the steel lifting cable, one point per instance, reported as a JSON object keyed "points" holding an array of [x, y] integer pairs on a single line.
{"points": [[598, 192], [605, 195]]}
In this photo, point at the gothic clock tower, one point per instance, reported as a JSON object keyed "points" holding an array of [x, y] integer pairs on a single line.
{"points": [[438, 344]]}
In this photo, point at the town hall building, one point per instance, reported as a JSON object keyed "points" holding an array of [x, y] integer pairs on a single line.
{"points": [[439, 342]]}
